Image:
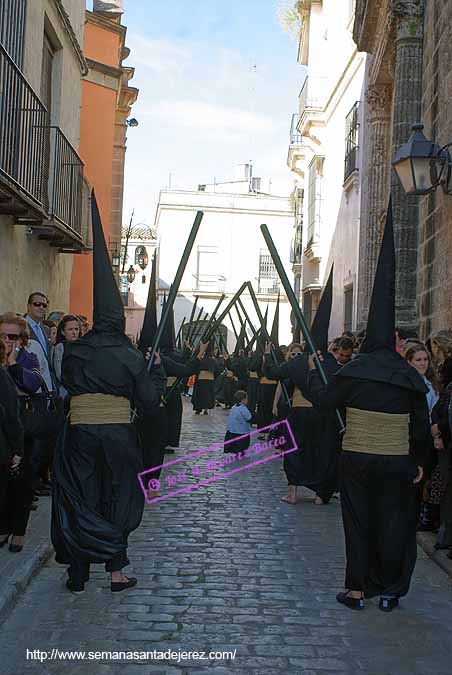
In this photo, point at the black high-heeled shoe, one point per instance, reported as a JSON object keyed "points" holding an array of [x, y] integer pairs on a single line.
{"points": [[4, 541]]}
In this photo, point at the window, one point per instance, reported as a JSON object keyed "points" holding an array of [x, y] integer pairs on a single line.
{"points": [[46, 73], [351, 141], [315, 200], [207, 277], [348, 308], [268, 276], [12, 28]]}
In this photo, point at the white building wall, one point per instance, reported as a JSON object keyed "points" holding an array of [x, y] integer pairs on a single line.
{"points": [[231, 224], [338, 71]]}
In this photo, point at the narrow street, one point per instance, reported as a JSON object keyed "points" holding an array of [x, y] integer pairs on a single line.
{"points": [[228, 567]]}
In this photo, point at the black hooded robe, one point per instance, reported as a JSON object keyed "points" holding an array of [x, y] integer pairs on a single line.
{"points": [[204, 390], [314, 463], [378, 496], [97, 499]]}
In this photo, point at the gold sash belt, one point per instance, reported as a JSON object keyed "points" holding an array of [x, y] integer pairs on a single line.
{"points": [[253, 374], [376, 433], [265, 380], [299, 401], [206, 375], [99, 409]]}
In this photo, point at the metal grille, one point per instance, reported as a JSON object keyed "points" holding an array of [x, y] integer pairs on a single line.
{"points": [[348, 308], [23, 118], [268, 276], [314, 200], [66, 186], [12, 28], [351, 141]]}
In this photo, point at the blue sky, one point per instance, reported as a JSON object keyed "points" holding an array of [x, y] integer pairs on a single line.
{"points": [[218, 84]]}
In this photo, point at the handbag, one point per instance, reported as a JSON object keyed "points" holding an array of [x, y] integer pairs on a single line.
{"points": [[42, 415]]}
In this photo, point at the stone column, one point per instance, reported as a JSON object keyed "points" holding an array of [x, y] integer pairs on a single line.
{"points": [[375, 195], [409, 25]]}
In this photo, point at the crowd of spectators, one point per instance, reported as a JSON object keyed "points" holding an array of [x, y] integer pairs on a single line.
{"points": [[32, 407]]}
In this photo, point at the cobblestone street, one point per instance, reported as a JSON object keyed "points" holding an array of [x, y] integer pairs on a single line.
{"points": [[225, 567]]}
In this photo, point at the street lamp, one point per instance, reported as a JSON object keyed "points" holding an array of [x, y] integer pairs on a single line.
{"points": [[422, 165], [133, 122], [141, 257], [131, 275]]}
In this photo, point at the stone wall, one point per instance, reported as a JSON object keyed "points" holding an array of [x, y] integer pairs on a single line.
{"points": [[435, 227], [27, 263]]}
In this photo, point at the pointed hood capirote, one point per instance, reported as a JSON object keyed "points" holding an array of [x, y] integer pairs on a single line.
{"points": [[274, 335], [108, 308], [321, 323], [380, 332], [261, 338], [240, 345], [150, 323], [168, 339]]}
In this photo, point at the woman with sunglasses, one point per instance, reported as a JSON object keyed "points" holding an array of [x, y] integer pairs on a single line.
{"points": [[23, 369]]}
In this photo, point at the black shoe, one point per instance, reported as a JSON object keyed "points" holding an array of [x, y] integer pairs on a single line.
{"points": [[35, 499], [117, 586], [351, 603], [33, 507], [388, 604], [14, 548], [77, 588], [40, 492], [205, 412], [4, 541], [197, 412]]}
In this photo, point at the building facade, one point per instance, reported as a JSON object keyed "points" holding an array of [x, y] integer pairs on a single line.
{"points": [[228, 250], [43, 191], [107, 98], [325, 155], [409, 47], [138, 245], [392, 34]]}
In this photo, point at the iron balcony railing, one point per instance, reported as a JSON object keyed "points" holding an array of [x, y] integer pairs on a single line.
{"points": [[12, 28], [351, 141], [23, 143], [313, 94], [295, 137], [65, 181]]}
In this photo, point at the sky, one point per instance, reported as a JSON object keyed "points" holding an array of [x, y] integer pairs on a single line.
{"points": [[218, 84]]}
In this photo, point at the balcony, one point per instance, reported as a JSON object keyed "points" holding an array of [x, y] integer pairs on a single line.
{"points": [[297, 149], [22, 137], [41, 175], [312, 100]]}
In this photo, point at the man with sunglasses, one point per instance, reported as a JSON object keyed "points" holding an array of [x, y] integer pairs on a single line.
{"points": [[37, 305]]}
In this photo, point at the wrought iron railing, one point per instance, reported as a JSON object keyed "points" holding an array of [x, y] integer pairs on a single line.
{"points": [[65, 181], [351, 141], [12, 28], [22, 131], [295, 137], [313, 93]]}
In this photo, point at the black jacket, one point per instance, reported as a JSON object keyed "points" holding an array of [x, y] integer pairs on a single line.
{"points": [[11, 431]]}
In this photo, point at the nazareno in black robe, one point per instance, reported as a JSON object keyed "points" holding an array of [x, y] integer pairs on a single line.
{"points": [[162, 426], [97, 499], [204, 390], [314, 463], [378, 497]]}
